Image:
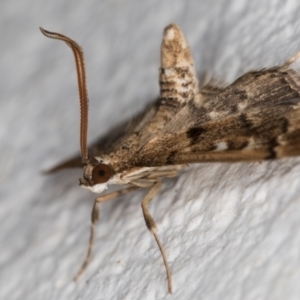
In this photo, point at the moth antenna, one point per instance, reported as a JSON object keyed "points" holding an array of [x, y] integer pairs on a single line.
{"points": [[178, 79], [83, 93]]}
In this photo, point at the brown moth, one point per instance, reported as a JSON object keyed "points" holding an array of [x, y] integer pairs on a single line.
{"points": [[255, 118]]}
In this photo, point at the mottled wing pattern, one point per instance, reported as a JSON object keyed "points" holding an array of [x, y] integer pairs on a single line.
{"points": [[255, 118]]}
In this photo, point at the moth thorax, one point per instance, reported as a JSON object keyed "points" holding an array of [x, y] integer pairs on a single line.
{"points": [[178, 83]]}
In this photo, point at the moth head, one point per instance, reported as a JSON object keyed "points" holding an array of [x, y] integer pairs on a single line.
{"points": [[96, 173], [96, 177]]}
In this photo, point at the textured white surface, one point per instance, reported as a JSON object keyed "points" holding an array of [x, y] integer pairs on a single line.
{"points": [[230, 231]]}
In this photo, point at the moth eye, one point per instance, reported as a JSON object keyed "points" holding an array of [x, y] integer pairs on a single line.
{"points": [[101, 173]]}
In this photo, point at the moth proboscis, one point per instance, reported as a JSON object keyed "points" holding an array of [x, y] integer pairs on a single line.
{"points": [[255, 118]]}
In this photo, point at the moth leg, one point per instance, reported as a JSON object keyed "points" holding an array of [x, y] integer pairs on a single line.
{"points": [[292, 59], [95, 218], [144, 183], [160, 174], [150, 223]]}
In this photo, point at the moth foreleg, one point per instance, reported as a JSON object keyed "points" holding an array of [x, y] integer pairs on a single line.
{"points": [[144, 183], [164, 173], [150, 223], [95, 218]]}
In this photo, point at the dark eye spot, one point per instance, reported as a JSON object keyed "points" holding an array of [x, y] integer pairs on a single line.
{"points": [[101, 173]]}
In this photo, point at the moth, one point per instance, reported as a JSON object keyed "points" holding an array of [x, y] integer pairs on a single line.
{"points": [[255, 118]]}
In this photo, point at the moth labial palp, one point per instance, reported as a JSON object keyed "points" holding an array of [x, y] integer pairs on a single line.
{"points": [[255, 118]]}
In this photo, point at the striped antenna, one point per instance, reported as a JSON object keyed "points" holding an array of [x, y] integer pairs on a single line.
{"points": [[83, 94]]}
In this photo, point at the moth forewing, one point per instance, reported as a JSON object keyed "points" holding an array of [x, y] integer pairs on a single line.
{"points": [[256, 117]]}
